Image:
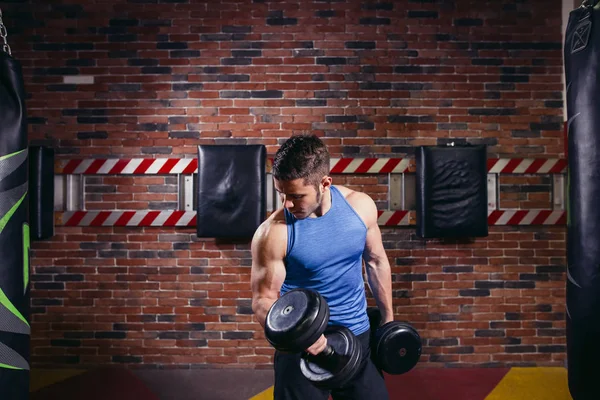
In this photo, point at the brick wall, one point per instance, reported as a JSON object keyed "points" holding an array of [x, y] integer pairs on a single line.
{"points": [[145, 78]]}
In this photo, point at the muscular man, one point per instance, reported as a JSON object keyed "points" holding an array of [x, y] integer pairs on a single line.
{"points": [[318, 240]]}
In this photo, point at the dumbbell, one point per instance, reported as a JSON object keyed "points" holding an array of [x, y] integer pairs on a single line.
{"points": [[296, 321], [395, 346]]}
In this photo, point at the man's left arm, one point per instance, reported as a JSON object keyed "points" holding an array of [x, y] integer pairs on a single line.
{"points": [[379, 272]]}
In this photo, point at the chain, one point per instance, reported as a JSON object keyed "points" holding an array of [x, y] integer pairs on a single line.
{"points": [[3, 35]]}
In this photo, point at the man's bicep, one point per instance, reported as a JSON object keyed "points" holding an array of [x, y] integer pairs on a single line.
{"points": [[374, 245], [268, 270]]}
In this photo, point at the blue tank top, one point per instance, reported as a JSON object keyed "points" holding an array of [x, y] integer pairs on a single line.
{"points": [[325, 254]]}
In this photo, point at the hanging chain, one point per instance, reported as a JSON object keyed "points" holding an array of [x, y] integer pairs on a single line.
{"points": [[3, 35]]}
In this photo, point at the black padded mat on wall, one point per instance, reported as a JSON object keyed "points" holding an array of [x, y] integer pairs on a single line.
{"points": [[451, 191], [231, 189]]}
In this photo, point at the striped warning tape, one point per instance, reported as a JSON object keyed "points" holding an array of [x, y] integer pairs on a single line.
{"points": [[163, 166], [127, 218], [386, 218], [527, 217], [526, 165], [114, 166]]}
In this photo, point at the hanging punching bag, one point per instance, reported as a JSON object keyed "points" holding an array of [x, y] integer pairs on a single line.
{"points": [[14, 229], [582, 72]]}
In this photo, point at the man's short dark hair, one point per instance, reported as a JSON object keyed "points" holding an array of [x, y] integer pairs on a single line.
{"points": [[302, 156]]}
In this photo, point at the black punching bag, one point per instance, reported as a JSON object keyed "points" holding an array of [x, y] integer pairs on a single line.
{"points": [[14, 233], [582, 72]]}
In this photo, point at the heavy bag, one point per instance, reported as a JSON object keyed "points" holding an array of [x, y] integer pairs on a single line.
{"points": [[451, 191], [41, 192], [231, 190], [582, 60], [14, 233]]}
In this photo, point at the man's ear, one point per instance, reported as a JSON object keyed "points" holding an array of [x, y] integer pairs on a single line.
{"points": [[326, 181]]}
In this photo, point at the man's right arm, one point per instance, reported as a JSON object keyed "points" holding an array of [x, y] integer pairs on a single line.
{"points": [[268, 269]]}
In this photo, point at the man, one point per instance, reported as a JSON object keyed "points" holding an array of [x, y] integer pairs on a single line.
{"points": [[318, 241]]}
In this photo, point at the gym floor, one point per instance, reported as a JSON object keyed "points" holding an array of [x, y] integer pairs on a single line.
{"points": [[234, 384]]}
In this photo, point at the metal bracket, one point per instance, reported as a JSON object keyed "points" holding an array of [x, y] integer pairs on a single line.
{"points": [[402, 191], [186, 194], [69, 192], [493, 191], [559, 191]]}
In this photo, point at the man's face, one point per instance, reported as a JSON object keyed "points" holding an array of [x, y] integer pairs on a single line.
{"points": [[299, 198]]}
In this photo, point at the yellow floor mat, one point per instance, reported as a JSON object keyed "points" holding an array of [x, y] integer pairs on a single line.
{"points": [[264, 395], [41, 378], [548, 383]]}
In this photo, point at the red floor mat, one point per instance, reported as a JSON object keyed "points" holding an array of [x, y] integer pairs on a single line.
{"points": [[99, 384], [446, 384]]}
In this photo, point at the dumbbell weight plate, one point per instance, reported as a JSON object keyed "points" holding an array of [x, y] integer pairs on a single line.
{"points": [[342, 367], [296, 320], [397, 347]]}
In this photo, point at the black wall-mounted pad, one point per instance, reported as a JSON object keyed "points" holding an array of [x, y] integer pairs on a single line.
{"points": [[231, 190], [41, 192], [451, 191]]}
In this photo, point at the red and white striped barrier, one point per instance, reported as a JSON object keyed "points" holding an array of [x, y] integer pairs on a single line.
{"points": [[369, 165], [128, 218], [527, 217], [526, 165], [116, 166], [385, 218], [164, 166], [395, 218]]}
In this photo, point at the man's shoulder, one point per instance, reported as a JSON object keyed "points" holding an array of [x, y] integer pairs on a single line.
{"points": [[354, 197], [361, 202], [273, 230]]}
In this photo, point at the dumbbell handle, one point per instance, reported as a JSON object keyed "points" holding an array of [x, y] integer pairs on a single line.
{"points": [[327, 359]]}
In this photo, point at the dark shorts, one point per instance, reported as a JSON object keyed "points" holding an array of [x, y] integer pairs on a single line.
{"points": [[290, 384]]}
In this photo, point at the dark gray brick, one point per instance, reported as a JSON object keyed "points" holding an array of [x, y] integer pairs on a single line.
{"points": [[361, 45], [325, 13], [519, 349], [375, 21], [236, 29], [375, 85], [236, 61], [92, 120], [331, 94], [238, 335], [173, 335], [110, 335], [557, 348], [340, 118], [235, 94], [266, 94], [514, 78], [492, 111], [457, 268], [311, 103], [282, 21], [519, 285], [422, 14], [233, 78], [410, 277], [332, 60]]}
